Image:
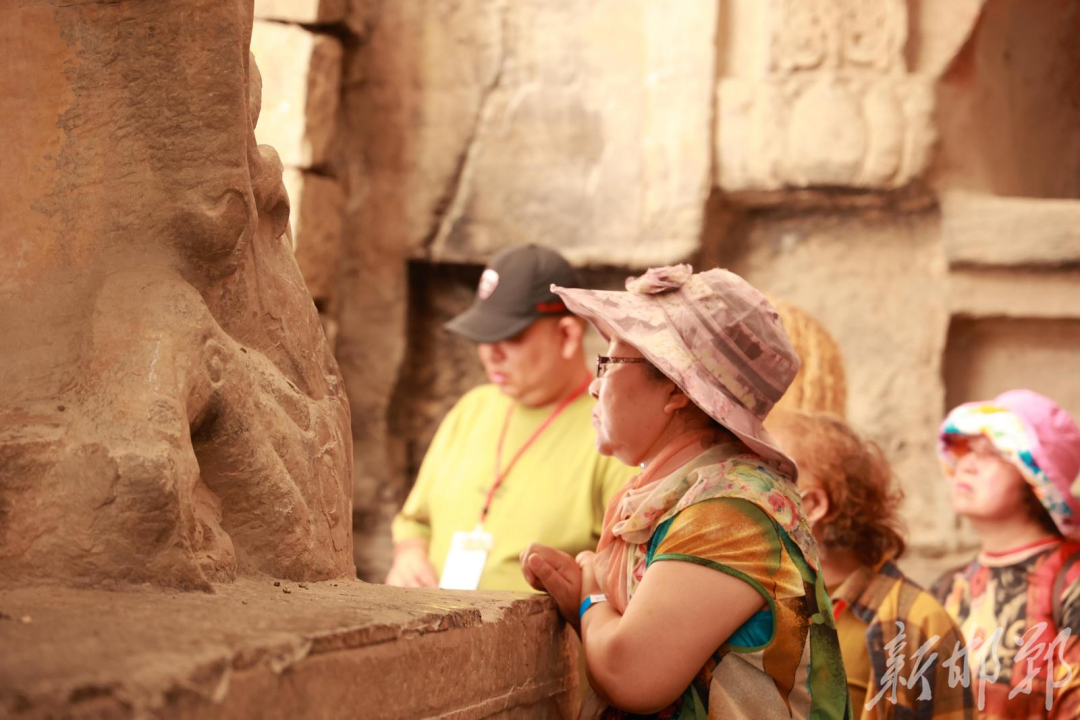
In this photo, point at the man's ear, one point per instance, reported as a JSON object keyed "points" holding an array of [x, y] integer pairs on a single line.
{"points": [[816, 503], [571, 332]]}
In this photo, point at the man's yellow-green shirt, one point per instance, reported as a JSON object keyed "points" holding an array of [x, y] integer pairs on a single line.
{"points": [[555, 494]]}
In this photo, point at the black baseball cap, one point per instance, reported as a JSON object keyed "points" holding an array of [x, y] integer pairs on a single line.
{"points": [[515, 291]]}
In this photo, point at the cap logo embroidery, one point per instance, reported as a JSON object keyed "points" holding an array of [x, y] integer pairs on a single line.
{"points": [[488, 282]]}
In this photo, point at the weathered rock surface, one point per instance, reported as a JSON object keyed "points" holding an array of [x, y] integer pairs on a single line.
{"points": [[995, 231], [583, 125], [301, 85], [309, 12], [169, 409], [981, 292], [315, 218], [252, 650], [987, 356], [1008, 105], [818, 95]]}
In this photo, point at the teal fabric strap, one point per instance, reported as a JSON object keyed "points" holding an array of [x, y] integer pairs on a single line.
{"points": [[589, 602]]}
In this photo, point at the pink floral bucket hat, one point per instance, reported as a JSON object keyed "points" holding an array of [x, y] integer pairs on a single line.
{"points": [[713, 334], [1033, 433]]}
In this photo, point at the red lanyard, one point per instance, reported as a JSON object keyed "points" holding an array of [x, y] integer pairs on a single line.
{"points": [[499, 477], [838, 607]]}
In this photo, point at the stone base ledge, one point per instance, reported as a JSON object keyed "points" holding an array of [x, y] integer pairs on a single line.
{"points": [[342, 649], [990, 231], [982, 292]]}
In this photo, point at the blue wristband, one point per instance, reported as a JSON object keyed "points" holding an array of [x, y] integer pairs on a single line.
{"points": [[589, 602]]}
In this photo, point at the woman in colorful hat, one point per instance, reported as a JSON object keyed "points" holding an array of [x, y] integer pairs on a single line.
{"points": [[704, 598], [1012, 462], [883, 619]]}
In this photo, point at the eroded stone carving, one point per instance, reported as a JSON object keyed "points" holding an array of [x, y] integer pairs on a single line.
{"points": [[827, 103], [816, 34], [169, 409]]}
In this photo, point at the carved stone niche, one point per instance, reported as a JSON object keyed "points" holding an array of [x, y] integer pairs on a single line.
{"points": [[169, 410], [817, 93]]}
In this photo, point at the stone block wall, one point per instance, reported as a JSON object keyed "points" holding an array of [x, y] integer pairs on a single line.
{"points": [[300, 56]]}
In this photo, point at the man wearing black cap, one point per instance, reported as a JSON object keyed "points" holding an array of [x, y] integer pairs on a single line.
{"points": [[514, 461]]}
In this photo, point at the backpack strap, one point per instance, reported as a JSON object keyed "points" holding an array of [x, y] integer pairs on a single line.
{"points": [[1073, 556]]}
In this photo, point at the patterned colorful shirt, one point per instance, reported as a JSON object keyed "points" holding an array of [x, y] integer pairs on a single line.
{"points": [[888, 674], [783, 662], [1018, 635]]}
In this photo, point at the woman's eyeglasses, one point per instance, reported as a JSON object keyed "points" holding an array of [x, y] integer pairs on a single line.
{"points": [[602, 362]]}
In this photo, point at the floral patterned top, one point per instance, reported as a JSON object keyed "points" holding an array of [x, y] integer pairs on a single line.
{"points": [[1020, 615], [740, 517]]}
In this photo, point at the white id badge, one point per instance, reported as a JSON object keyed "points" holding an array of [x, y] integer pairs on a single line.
{"points": [[465, 561]]}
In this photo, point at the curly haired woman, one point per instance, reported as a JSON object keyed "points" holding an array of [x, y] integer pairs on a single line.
{"points": [[846, 485]]}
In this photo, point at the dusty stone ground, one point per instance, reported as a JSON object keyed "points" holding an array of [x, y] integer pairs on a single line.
{"points": [[257, 648]]}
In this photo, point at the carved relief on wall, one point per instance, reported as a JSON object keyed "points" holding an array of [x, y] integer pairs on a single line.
{"points": [[833, 104], [829, 34]]}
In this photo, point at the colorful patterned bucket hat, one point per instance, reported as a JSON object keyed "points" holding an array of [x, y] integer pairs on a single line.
{"points": [[1035, 435], [713, 335]]}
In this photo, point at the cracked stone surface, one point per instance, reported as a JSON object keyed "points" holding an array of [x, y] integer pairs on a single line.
{"points": [[170, 411], [255, 648], [584, 125]]}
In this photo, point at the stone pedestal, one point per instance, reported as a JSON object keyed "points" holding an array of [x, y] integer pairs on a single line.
{"points": [[255, 649]]}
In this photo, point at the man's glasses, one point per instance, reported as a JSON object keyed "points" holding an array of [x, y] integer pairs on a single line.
{"points": [[602, 363]]}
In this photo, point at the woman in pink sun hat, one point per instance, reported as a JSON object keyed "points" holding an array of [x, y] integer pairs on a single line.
{"points": [[704, 598], [1012, 462]]}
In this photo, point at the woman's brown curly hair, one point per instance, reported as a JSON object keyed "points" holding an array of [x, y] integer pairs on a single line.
{"points": [[863, 515]]}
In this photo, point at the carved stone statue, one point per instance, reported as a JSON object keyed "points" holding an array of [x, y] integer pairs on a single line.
{"points": [[169, 409]]}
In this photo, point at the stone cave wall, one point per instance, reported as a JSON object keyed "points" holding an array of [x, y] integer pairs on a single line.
{"points": [[904, 170]]}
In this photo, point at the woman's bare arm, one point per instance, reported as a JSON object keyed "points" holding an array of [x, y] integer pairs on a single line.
{"points": [[680, 615]]}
